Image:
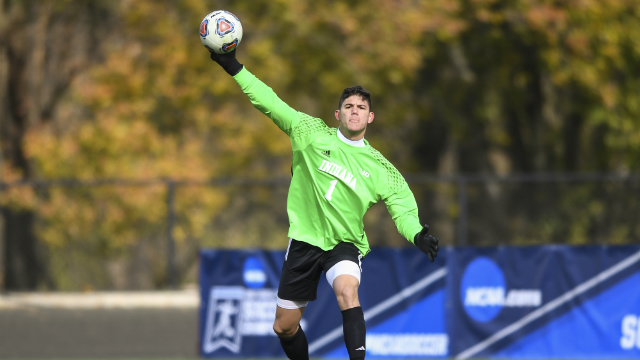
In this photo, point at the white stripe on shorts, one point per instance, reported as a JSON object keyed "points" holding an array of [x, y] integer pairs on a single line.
{"points": [[291, 305], [287, 254], [344, 267]]}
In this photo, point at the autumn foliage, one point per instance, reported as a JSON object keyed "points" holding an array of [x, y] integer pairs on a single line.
{"points": [[125, 90]]}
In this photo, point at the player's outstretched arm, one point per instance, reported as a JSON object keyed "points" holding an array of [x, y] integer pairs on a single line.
{"points": [[428, 244], [261, 96]]}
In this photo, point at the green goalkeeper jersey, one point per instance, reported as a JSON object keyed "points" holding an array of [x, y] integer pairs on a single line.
{"points": [[333, 183]]}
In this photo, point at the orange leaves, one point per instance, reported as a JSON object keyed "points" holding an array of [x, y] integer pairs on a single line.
{"points": [[546, 17], [158, 107], [115, 149]]}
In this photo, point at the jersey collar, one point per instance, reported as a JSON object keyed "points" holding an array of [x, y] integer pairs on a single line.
{"points": [[357, 143]]}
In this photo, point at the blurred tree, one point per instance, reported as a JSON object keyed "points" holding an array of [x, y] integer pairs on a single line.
{"points": [[537, 86], [124, 89], [44, 45], [532, 86]]}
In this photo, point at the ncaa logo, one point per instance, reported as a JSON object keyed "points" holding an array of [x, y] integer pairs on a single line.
{"points": [[484, 293], [482, 288], [224, 316], [253, 273]]}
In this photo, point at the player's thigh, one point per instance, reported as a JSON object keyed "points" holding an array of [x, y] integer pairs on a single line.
{"points": [[343, 272], [345, 286], [343, 259]]}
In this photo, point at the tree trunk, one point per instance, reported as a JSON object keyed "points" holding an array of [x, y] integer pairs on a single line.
{"points": [[23, 270], [43, 46]]}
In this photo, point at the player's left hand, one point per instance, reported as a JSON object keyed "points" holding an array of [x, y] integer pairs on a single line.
{"points": [[227, 61], [428, 244]]}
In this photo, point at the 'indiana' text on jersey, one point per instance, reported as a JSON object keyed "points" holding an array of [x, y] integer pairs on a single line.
{"points": [[339, 172], [327, 197]]}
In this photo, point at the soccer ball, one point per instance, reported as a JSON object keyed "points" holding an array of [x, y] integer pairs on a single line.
{"points": [[220, 31]]}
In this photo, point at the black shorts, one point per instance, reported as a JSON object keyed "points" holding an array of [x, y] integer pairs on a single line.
{"points": [[304, 264]]}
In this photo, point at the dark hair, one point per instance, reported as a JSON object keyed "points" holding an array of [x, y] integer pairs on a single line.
{"points": [[355, 90]]}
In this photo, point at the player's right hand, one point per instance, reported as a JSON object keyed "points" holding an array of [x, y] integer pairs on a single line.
{"points": [[227, 61], [428, 244]]}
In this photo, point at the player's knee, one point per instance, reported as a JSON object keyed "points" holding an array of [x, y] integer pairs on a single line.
{"points": [[284, 330], [349, 292], [348, 295]]}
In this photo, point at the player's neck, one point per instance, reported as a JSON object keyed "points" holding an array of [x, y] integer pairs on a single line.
{"points": [[359, 142]]}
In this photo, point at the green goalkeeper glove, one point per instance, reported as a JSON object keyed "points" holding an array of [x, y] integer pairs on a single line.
{"points": [[227, 61], [428, 244]]}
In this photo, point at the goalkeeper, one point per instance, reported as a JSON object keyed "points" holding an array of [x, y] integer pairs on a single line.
{"points": [[336, 177]]}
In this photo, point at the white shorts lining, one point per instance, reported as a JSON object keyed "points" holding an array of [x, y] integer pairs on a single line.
{"points": [[344, 267], [291, 305]]}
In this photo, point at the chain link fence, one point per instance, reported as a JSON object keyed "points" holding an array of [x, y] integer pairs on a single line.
{"points": [[143, 235]]}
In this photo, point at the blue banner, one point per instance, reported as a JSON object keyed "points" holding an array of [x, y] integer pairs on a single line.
{"points": [[495, 302], [401, 293], [238, 303], [544, 302]]}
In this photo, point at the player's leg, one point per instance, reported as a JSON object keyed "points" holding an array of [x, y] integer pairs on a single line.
{"points": [[287, 327], [344, 277], [301, 273], [346, 289], [287, 321]]}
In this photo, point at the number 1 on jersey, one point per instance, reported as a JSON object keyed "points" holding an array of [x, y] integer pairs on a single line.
{"points": [[331, 188]]}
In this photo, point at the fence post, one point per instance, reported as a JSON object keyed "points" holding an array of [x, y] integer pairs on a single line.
{"points": [[3, 224], [462, 210], [171, 244]]}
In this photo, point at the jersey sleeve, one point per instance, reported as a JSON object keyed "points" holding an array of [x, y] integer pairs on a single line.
{"points": [[265, 99], [399, 200], [297, 125]]}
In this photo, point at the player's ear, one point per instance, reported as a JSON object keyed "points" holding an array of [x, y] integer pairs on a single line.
{"points": [[338, 115], [371, 116]]}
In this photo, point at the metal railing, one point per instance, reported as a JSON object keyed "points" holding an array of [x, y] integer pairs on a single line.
{"points": [[477, 209]]}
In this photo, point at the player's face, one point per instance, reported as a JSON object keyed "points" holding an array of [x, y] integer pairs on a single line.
{"points": [[354, 115]]}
